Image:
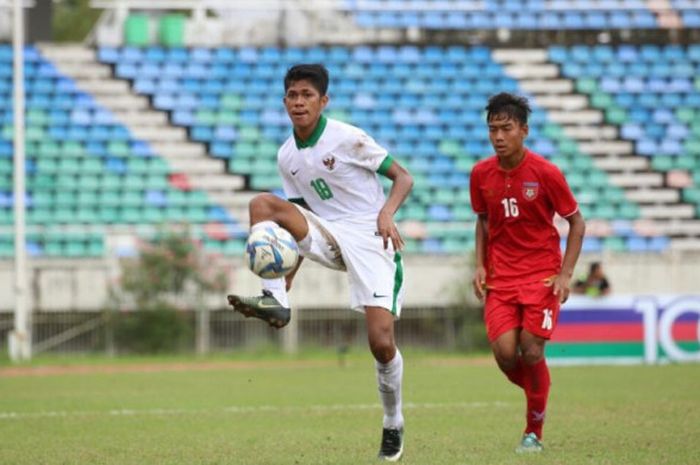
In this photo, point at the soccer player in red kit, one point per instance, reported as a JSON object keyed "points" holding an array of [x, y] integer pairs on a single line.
{"points": [[519, 268]]}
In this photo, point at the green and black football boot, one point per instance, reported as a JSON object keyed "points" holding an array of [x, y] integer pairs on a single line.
{"points": [[264, 306]]}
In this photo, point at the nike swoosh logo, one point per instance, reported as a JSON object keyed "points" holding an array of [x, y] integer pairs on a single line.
{"points": [[379, 296], [294, 172]]}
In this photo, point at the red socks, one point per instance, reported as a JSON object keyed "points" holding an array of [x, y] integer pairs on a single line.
{"points": [[536, 385]]}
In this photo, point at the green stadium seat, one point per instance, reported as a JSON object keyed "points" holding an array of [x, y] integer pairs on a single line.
{"points": [[231, 102], [629, 211], [108, 214], [692, 195], [604, 211], [75, 249], [662, 163], [87, 215], [39, 216], [616, 116], [96, 247], [131, 215], [49, 149], [136, 30], [171, 30], [53, 249], [465, 163], [234, 247], [598, 178], [6, 216], [153, 215], [240, 165], [614, 244], [586, 85], [206, 117]]}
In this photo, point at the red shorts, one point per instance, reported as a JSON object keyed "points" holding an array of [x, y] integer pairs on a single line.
{"points": [[532, 306]]}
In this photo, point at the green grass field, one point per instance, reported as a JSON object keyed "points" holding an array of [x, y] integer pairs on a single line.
{"points": [[309, 410]]}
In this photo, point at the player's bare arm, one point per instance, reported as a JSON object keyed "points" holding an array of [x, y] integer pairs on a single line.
{"points": [[402, 183], [574, 242], [479, 280]]}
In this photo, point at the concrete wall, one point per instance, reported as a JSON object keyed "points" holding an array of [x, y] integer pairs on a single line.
{"points": [[59, 285]]}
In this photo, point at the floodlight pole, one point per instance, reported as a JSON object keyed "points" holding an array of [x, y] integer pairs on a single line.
{"points": [[20, 340]]}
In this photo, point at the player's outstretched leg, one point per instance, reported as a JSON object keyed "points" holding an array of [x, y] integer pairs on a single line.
{"points": [[273, 305], [389, 366]]}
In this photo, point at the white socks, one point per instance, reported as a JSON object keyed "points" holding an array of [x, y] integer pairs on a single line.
{"points": [[278, 286], [389, 377]]}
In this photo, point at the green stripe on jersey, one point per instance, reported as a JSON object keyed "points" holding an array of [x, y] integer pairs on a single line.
{"points": [[297, 200], [386, 164], [314, 137], [398, 280]]}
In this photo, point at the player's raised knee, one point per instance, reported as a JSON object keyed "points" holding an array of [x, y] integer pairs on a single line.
{"points": [[264, 202], [268, 206], [533, 354]]}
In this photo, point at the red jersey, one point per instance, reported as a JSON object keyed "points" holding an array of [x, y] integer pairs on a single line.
{"points": [[522, 245]]}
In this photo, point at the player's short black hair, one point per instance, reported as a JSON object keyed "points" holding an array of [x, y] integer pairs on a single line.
{"points": [[511, 105], [315, 73]]}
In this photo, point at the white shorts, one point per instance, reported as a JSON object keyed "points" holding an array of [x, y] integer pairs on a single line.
{"points": [[375, 275]]}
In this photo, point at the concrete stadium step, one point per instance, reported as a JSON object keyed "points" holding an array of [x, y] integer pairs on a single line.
{"points": [[653, 196], [668, 211], [195, 165], [547, 86], [526, 55], [532, 71], [576, 118], [676, 227], [177, 150], [636, 180], [217, 182], [124, 103], [621, 163], [607, 147], [101, 86], [685, 243], [562, 101], [585, 133], [160, 134], [141, 119]]}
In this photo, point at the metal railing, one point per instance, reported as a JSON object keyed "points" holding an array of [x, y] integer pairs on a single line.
{"points": [[94, 332]]}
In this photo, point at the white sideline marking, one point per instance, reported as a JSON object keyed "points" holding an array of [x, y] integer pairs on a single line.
{"points": [[242, 409]]}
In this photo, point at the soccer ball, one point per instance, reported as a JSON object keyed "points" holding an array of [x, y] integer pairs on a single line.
{"points": [[271, 252]]}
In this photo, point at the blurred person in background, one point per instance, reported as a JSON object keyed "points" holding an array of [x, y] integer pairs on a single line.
{"points": [[596, 284]]}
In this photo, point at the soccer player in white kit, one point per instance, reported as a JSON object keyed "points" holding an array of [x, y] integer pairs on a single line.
{"points": [[338, 214]]}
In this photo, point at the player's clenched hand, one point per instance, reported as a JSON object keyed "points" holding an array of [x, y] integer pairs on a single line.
{"points": [[388, 230], [479, 282], [560, 286]]}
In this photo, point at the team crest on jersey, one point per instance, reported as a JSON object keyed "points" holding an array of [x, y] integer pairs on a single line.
{"points": [[329, 162], [530, 190]]}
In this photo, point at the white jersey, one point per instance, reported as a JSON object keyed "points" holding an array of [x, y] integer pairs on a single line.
{"points": [[335, 171]]}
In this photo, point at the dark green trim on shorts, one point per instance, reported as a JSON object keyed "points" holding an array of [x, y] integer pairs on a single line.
{"points": [[386, 164], [298, 201], [398, 280]]}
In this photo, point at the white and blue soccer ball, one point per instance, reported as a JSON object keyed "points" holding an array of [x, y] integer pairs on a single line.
{"points": [[271, 252]]}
